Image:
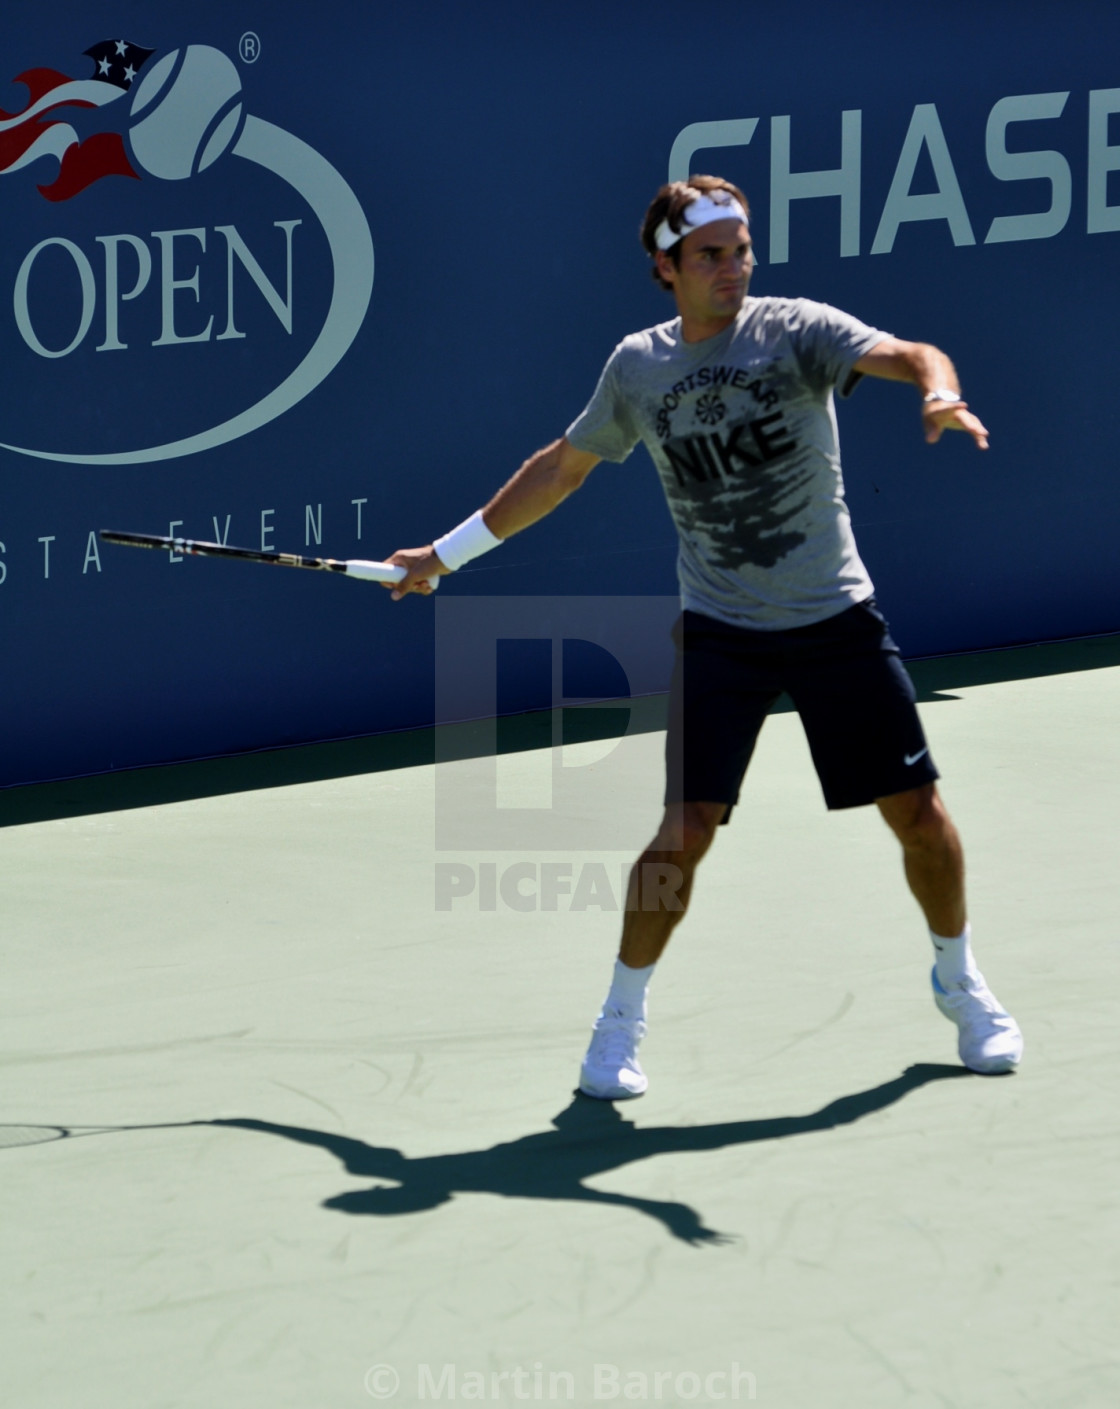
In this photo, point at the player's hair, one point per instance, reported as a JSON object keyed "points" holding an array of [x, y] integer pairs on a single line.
{"points": [[670, 204]]}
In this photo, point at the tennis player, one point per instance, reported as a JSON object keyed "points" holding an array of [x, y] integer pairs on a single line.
{"points": [[733, 399]]}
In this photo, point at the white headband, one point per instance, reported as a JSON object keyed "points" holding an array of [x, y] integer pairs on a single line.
{"points": [[718, 205]]}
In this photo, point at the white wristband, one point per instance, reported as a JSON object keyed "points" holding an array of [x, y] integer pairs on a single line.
{"points": [[470, 540]]}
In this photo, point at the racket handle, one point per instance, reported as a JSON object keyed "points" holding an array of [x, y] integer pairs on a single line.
{"points": [[379, 572], [374, 572]]}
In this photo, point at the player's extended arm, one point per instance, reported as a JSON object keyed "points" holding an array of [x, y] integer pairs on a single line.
{"points": [[927, 368], [543, 481]]}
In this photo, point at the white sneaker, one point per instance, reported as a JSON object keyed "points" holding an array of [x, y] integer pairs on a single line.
{"points": [[611, 1070], [990, 1040]]}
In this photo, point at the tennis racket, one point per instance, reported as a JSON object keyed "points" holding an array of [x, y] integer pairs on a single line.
{"points": [[353, 567]]}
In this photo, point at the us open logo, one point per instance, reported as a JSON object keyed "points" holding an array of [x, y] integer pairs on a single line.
{"points": [[187, 272]]}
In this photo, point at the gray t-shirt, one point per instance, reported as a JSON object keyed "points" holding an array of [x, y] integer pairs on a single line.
{"points": [[742, 429]]}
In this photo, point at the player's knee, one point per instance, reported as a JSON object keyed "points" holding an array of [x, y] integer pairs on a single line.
{"points": [[687, 831], [919, 819]]}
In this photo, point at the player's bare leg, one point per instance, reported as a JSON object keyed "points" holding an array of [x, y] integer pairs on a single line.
{"points": [[657, 897], [931, 855], [990, 1040], [661, 880]]}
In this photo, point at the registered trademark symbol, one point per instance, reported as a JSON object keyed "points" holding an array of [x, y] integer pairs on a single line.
{"points": [[249, 47]]}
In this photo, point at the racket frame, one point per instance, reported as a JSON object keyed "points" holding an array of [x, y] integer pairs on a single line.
{"points": [[194, 547]]}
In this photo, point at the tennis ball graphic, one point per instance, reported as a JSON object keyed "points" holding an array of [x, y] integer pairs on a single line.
{"points": [[185, 112]]}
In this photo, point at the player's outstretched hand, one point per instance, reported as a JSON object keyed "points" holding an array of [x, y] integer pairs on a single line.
{"points": [[423, 566], [940, 416]]}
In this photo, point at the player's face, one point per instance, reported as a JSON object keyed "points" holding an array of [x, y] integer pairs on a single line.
{"points": [[711, 281]]}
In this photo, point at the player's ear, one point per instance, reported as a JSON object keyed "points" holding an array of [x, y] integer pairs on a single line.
{"points": [[665, 266]]}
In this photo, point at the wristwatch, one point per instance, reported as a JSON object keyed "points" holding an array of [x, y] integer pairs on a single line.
{"points": [[942, 393]]}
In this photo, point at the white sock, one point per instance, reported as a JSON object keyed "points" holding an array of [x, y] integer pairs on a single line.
{"points": [[954, 957], [627, 996]]}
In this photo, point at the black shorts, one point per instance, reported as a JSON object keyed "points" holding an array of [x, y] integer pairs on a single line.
{"points": [[846, 680]]}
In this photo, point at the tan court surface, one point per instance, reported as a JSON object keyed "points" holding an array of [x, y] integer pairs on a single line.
{"points": [[813, 1205]]}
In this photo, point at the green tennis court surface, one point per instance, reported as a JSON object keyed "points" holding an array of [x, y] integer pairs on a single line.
{"points": [[368, 1179]]}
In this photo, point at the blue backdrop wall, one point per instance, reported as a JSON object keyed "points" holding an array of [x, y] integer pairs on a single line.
{"points": [[321, 277]]}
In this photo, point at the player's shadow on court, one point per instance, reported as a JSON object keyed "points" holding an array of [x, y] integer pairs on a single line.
{"points": [[588, 1138]]}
